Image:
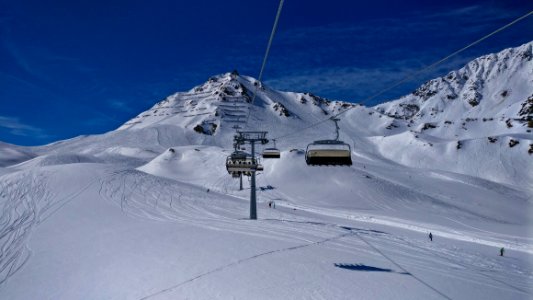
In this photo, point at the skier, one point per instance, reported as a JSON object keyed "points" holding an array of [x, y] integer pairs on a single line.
{"points": [[270, 204], [501, 251], [431, 237]]}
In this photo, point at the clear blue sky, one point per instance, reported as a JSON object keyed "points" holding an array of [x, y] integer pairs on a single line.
{"points": [[69, 68]]}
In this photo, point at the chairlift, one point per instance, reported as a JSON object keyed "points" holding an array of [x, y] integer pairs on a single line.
{"points": [[240, 162], [272, 152], [329, 152]]}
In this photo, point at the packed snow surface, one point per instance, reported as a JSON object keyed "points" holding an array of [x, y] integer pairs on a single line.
{"points": [[148, 211]]}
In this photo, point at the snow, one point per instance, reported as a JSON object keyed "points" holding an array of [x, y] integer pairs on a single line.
{"points": [[11, 154], [148, 211]]}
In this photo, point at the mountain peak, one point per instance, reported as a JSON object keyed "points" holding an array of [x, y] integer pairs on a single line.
{"points": [[225, 100], [203, 100], [489, 86]]}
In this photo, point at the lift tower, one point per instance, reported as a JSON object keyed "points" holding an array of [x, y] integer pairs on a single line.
{"points": [[252, 137]]}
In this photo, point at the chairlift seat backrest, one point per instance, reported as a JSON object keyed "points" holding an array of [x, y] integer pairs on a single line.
{"points": [[328, 152]]}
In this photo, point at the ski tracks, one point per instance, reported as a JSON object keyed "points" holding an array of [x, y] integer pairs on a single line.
{"points": [[21, 199], [468, 262], [26, 201], [244, 260], [167, 200]]}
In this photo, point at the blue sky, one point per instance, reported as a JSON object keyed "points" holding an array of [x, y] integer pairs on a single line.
{"points": [[69, 68]]}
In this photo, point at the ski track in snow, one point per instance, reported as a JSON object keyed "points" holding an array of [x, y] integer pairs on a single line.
{"points": [[143, 195], [448, 233], [19, 200], [241, 261], [26, 202], [479, 269]]}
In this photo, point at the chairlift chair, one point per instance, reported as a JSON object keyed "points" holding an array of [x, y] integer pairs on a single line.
{"points": [[272, 152], [329, 152], [240, 162]]}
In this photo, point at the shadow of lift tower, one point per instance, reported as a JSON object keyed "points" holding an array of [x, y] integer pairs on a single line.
{"points": [[252, 137]]}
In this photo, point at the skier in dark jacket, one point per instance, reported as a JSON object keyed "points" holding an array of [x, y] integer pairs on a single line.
{"points": [[501, 251], [431, 237]]}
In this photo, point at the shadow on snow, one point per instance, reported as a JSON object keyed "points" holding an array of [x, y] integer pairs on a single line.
{"points": [[361, 267]]}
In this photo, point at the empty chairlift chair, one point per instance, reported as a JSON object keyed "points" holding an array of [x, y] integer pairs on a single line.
{"points": [[272, 152], [329, 152]]}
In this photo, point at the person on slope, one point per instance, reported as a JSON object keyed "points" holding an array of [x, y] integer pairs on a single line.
{"points": [[430, 237]]}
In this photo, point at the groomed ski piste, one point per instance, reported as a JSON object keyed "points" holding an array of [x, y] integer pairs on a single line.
{"points": [[149, 211]]}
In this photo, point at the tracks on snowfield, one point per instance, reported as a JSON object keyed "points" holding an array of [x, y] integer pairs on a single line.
{"points": [[469, 267], [241, 261], [142, 195], [489, 268], [20, 198], [493, 239], [25, 202]]}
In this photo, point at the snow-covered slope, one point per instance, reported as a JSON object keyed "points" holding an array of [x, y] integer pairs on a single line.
{"points": [[493, 88], [11, 154], [148, 211], [208, 113], [476, 121]]}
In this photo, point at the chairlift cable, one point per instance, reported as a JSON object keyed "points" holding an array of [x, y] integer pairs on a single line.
{"points": [[265, 58], [337, 128], [410, 76]]}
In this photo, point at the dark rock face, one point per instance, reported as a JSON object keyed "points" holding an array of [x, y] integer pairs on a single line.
{"points": [[281, 109]]}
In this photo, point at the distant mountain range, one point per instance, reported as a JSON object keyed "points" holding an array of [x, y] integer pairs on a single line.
{"points": [[472, 121]]}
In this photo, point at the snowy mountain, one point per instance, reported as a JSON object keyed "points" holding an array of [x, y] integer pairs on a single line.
{"points": [[457, 123], [483, 108], [489, 86], [148, 211], [492, 88], [211, 110], [12, 154]]}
